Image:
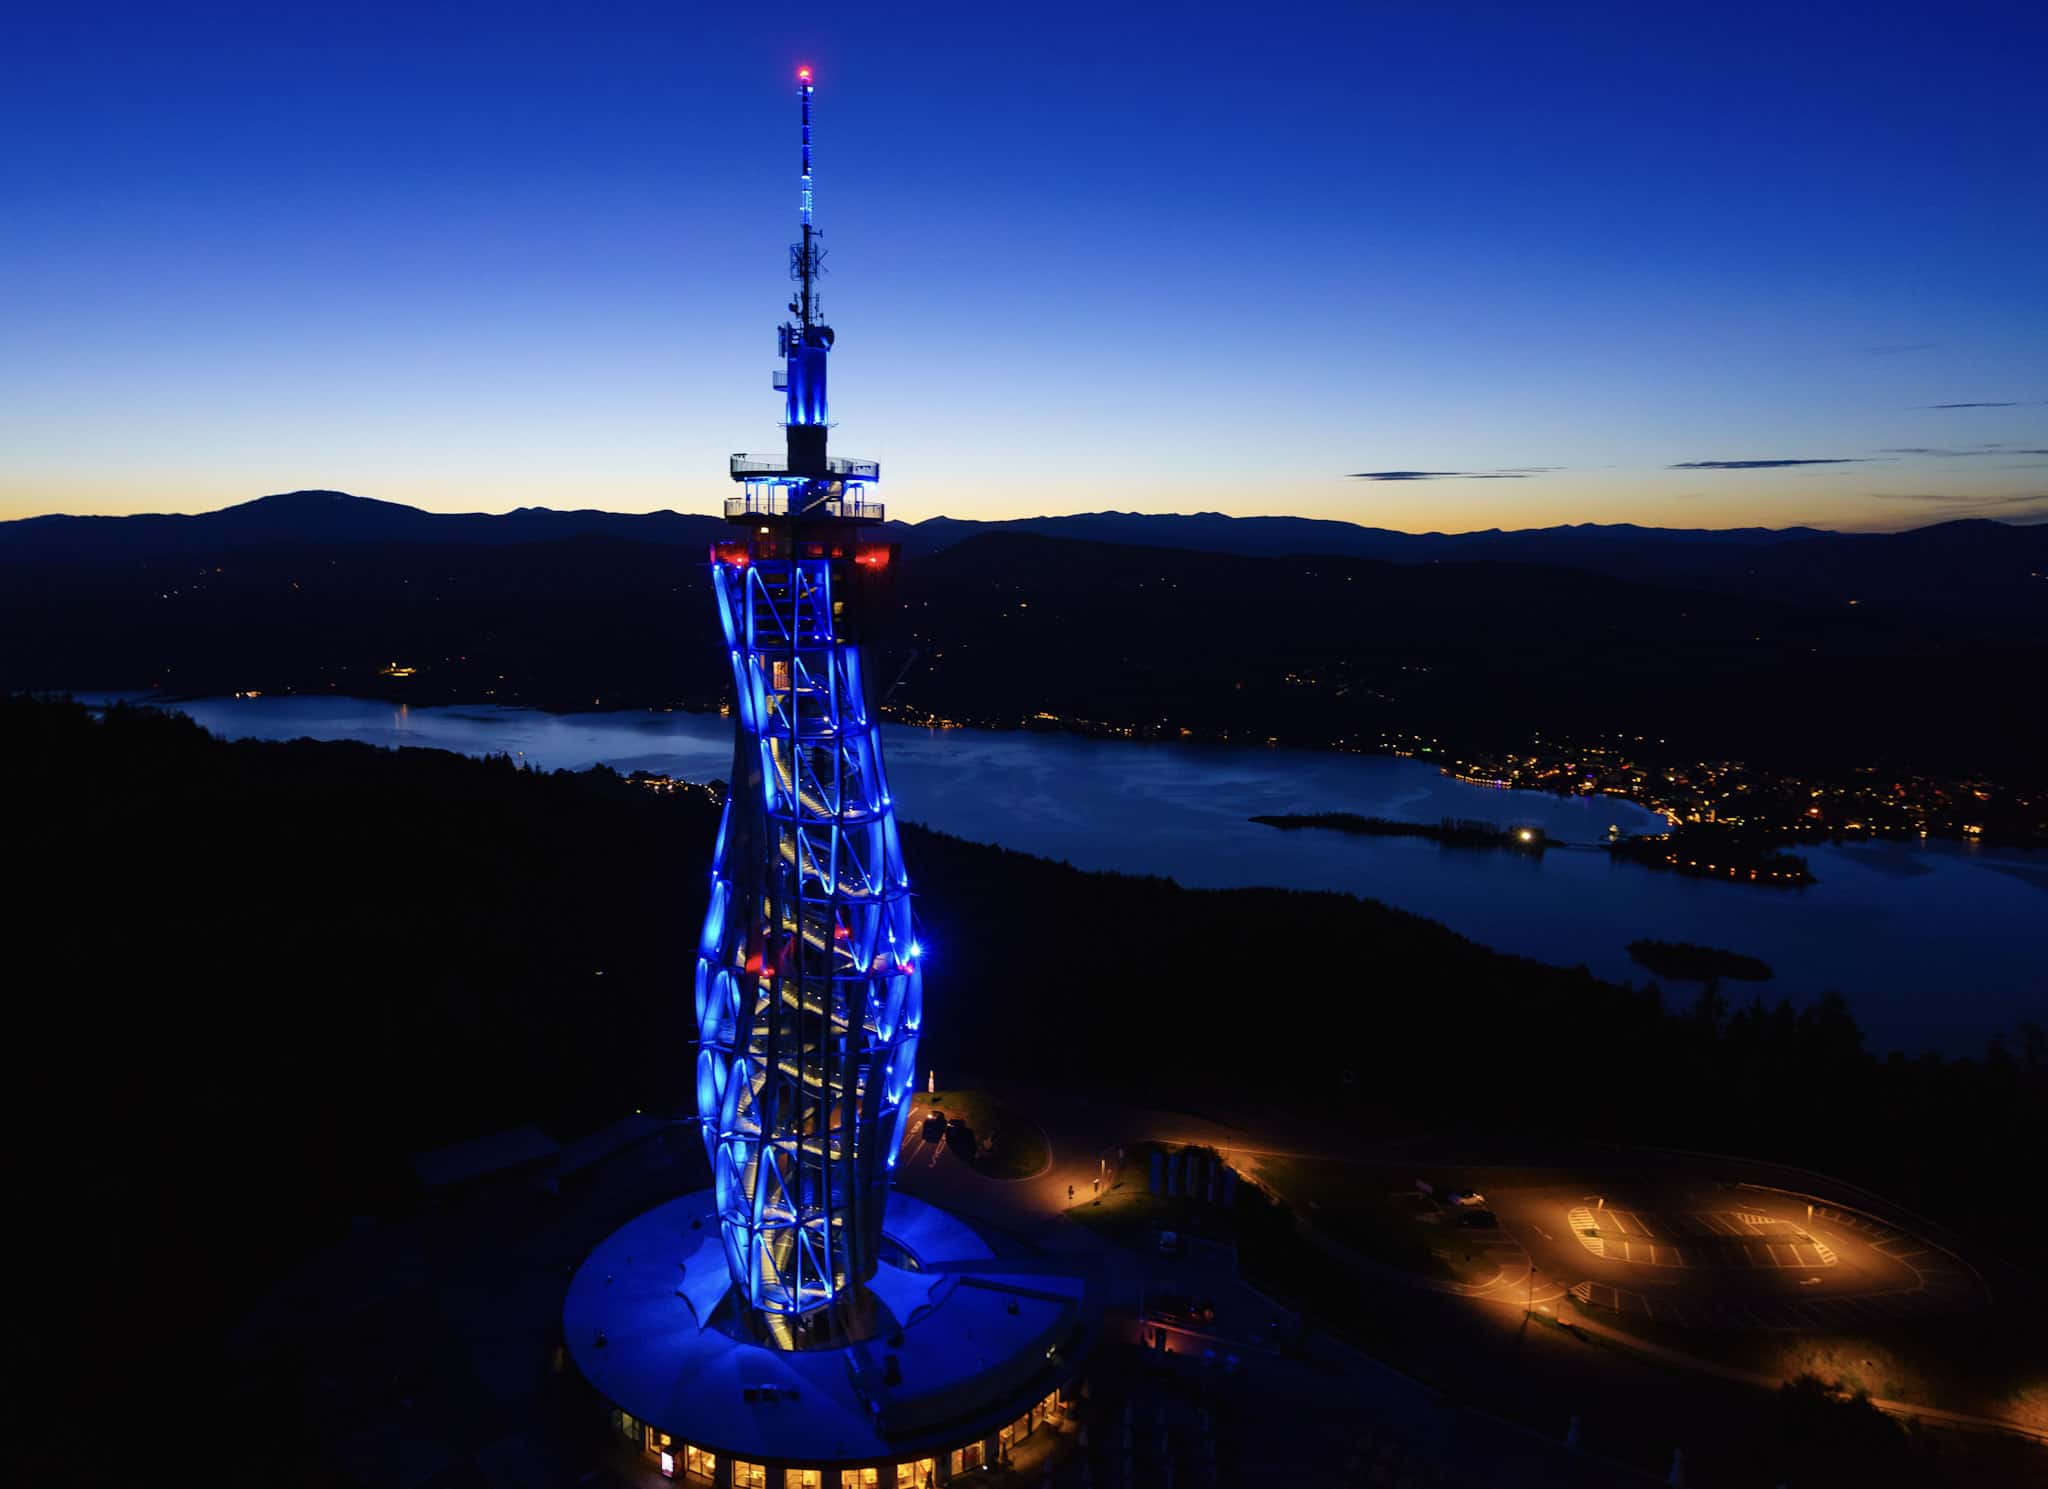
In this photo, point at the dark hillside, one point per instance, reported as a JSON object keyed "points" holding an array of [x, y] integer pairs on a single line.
{"points": [[248, 980], [310, 959], [1007, 625], [1319, 650]]}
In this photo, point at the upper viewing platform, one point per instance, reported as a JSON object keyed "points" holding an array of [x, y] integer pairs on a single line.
{"points": [[757, 467]]}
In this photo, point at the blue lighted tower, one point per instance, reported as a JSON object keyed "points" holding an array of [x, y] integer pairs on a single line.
{"points": [[808, 985]]}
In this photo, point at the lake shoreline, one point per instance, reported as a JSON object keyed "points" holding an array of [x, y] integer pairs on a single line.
{"points": [[1888, 922], [1087, 729]]}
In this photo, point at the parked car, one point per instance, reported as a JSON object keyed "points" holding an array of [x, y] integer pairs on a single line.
{"points": [[1479, 1220], [1470, 1199], [934, 1127], [1169, 1240]]}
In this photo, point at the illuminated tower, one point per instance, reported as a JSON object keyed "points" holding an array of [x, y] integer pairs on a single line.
{"points": [[808, 986]]}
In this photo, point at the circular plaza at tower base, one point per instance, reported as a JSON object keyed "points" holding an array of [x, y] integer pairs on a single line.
{"points": [[949, 1360]]}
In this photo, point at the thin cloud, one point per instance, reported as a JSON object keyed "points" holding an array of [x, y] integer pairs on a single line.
{"points": [[1951, 454], [1759, 464], [1970, 405], [1516, 473], [1896, 347]]}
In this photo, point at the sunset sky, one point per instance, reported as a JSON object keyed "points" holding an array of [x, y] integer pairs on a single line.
{"points": [[1426, 266]]}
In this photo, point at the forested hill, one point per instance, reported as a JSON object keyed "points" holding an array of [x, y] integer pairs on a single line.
{"points": [[1003, 626], [250, 979], [306, 960]]}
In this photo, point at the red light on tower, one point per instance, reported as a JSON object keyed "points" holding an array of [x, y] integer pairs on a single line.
{"points": [[803, 74]]}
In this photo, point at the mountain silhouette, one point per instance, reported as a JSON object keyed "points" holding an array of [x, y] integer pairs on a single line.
{"points": [[1974, 569]]}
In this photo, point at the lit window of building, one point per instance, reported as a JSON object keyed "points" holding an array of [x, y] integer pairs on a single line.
{"points": [[916, 1474], [1046, 1410], [802, 1478], [700, 1464], [860, 1478], [747, 1475]]}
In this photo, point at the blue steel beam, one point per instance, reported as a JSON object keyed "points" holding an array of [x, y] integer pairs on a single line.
{"points": [[809, 978]]}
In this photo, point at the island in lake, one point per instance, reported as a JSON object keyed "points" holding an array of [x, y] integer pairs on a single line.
{"points": [[1685, 962], [1712, 852], [1458, 832]]}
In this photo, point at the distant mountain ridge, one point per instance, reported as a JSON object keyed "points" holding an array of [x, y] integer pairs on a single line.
{"points": [[318, 515], [1982, 572], [1216, 532], [329, 517]]}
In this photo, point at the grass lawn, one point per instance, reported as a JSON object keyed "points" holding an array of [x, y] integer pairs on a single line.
{"points": [[1130, 1213], [1007, 1144], [1353, 1206]]}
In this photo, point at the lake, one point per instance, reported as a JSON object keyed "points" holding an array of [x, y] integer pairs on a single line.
{"points": [[1936, 945]]}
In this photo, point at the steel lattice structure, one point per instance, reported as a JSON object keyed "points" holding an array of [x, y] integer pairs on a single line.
{"points": [[808, 985]]}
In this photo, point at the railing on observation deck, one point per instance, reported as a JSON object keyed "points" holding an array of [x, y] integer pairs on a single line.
{"points": [[771, 499], [778, 465]]}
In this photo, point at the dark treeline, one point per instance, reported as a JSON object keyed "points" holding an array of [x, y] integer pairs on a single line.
{"points": [[250, 979]]}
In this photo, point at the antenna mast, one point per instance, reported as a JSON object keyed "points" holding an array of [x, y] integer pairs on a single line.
{"points": [[805, 257]]}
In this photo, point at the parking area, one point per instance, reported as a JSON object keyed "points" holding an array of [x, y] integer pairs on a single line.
{"points": [[1710, 1238], [1700, 1253]]}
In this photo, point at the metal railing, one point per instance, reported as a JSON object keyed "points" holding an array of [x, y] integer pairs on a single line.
{"points": [[773, 501], [778, 465]]}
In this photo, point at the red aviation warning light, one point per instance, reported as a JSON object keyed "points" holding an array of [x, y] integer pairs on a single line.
{"points": [[803, 74]]}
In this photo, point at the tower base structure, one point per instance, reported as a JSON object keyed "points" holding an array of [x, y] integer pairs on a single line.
{"points": [[948, 1361]]}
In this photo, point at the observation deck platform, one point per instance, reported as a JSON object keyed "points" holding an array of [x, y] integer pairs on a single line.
{"points": [[821, 508], [777, 467], [831, 488]]}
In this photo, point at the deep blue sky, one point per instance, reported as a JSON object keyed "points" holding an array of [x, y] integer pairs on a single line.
{"points": [[1170, 258]]}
